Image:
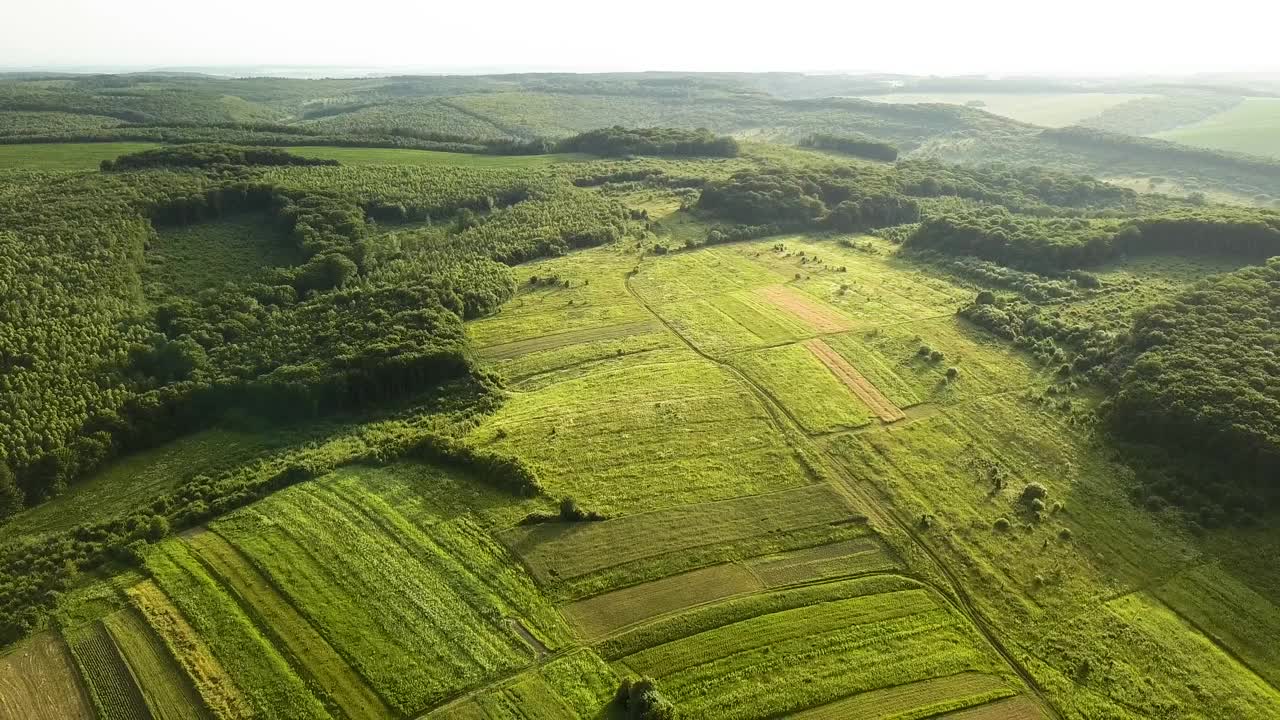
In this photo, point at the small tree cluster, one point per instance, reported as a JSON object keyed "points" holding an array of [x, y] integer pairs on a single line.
{"points": [[642, 701]]}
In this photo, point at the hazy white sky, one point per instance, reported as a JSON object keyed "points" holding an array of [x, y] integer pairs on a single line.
{"points": [[1080, 36]]}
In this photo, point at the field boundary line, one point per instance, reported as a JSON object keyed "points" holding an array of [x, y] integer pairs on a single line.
{"points": [[1212, 638], [270, 635], [974, 673]]}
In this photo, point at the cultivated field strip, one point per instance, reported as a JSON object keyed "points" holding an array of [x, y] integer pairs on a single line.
{"points": [[263, 675], [38, 681], [611, 611], [168, 692], [505, 351], [214, 685], [741, 608], [419, 612], [105, 673], [553, 553], [817, 315], [792, 660], [917, 699], [850, 557], [861, 387], [762, 631], [1019, 707], [343, 686]]}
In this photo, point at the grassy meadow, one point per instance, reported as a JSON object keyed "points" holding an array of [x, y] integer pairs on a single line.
{"points": [[1251, 127], [1049, 109], [65, 156]]}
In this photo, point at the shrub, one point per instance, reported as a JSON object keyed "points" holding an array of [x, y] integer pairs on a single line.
{"points": [[936, 356], [1034, 491], [1002, 524], [1064, 534], [986, 297], [953, 373]]}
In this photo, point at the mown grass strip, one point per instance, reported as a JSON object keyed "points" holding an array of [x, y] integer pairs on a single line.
{"points": [[850, 557]]}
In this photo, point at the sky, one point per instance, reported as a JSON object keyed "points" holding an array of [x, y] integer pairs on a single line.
{"points": [[1085, 37]]}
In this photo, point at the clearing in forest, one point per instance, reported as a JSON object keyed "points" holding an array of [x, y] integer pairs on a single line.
{"points": [[606, 613], [860, 386], [39, 682], [923, 698], [819, 316]]}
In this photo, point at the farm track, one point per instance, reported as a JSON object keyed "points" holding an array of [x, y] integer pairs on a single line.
{"points": [[962, 600]]}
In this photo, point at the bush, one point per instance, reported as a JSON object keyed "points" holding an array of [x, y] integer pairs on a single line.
{"points": [[1002, 524], [953, 373], [986, 297], [1032, 492]]}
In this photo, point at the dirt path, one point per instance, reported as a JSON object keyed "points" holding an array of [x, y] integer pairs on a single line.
{"points": [[869, 394]]}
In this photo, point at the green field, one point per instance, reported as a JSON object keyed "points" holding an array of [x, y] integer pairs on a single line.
{"points": [[65, 156], [169, 693], [1251, 127], [1050, 109]]}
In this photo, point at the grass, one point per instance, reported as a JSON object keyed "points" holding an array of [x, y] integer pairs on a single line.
{"points": [[801, 658], [576, 685], [65, 156], [1251, 127], [585, 559], [1145, 640], [734, 610], [419, 612], [1050, 109], [181, 641], [266, 680], [603, 614], [110, 683], [1049, 594], [1019, 707], [38, 681], [802, 384], [645, 437], [849, 557], [1229, 612], [341, 686], [187, 259], [920, 699], [429, 158], [168, 692]]}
